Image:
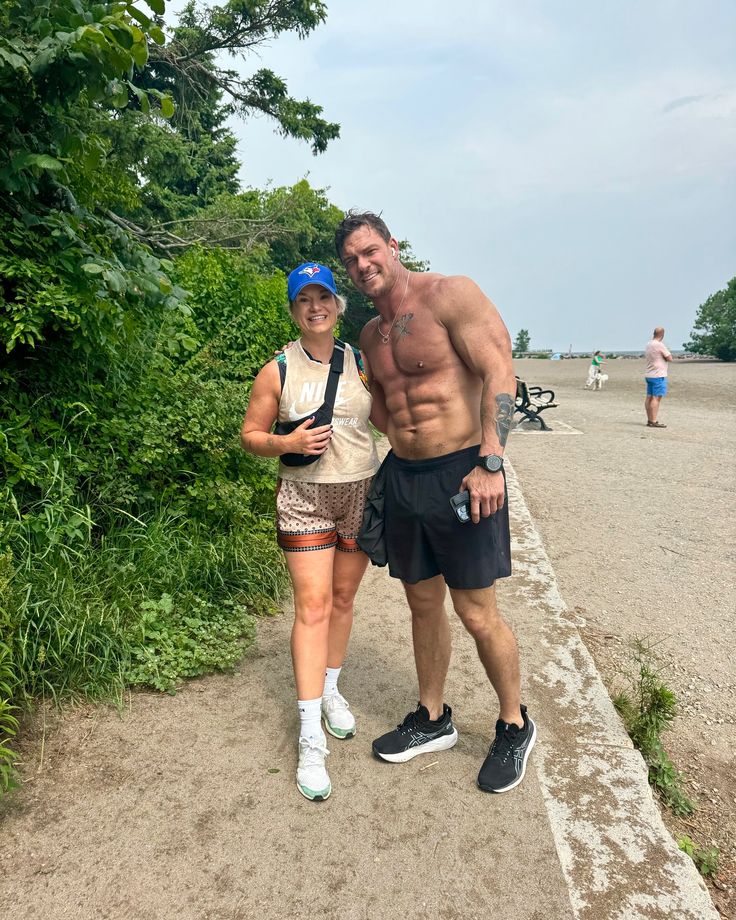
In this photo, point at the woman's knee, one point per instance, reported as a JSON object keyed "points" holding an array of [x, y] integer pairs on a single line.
{"points": [[313, 611], [343, 599]]}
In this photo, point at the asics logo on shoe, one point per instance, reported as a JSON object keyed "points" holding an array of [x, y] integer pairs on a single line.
{"points": [[418, 737]]}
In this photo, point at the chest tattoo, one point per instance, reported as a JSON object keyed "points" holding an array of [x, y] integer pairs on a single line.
{"points": [[402, 327]]}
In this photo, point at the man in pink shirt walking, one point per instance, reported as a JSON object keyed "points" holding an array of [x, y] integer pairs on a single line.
{"points": [[657, 356]]}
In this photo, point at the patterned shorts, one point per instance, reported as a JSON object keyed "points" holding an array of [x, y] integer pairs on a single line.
{"points": [[320, 515]]}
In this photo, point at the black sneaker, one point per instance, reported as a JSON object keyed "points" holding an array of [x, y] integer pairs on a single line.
{"points": [[417, 735], [505, 765]]}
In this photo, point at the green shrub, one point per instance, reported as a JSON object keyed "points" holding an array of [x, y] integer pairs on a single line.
{"points": [[240, 314], [8, 722], [85, 615], [705, 858], [648, 708], [169, 644]]}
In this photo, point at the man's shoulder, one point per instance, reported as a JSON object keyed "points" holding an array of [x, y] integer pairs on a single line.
{"points": [[447, 289], [445, 282]]}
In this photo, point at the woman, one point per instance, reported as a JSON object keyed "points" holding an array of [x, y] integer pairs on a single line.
{"points": [[594, 369], [319, 505]]}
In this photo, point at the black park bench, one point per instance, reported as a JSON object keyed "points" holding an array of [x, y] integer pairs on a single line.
{"points": [[532, 401]]}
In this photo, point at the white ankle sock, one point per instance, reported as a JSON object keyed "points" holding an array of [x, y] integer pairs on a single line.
{"points": [[310, 716], [331, 676]]}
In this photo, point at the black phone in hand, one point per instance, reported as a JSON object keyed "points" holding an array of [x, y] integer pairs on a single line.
{"points": [[460, 504]]}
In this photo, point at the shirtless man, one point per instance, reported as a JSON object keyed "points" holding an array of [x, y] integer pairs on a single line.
{"points": [[443, 390]]}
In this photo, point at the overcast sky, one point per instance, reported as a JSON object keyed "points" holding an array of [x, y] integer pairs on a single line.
{"points": [[578, 160]]}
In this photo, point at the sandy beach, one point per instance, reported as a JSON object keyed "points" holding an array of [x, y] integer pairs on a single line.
{"points": [[639, 526]]}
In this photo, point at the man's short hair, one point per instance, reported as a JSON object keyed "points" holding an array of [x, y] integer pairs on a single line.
{"points": [[353, 221]]}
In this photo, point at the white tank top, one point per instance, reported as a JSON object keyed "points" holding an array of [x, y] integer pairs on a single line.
{"points": [[351, 455]]}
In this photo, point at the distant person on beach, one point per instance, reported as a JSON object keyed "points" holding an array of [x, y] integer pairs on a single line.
{"points": [[443, 389], [325, 470], [595, 368], [657, 356]]}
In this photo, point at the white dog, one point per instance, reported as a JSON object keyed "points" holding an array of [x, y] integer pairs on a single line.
{"points": [[600, 379]]}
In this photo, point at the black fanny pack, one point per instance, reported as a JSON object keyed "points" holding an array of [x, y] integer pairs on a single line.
{"points": [[323, 415], [372, 535]]}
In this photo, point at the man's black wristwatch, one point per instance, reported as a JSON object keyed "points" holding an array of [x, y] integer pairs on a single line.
{"points": [[491, 462]]}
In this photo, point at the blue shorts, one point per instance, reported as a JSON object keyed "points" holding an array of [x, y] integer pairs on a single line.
{"points": [[656, 386]]}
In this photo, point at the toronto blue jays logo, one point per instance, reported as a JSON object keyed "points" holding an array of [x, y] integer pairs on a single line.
{"points": [[310, 270]]}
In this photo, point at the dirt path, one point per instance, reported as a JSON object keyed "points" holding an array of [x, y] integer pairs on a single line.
{"points": [[185, 807]]}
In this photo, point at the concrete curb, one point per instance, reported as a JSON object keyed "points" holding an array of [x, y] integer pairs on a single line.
{"points": [[617, 856]]}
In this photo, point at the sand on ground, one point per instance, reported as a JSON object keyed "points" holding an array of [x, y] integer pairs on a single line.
{"points": [[186, 807], [640, 527]]}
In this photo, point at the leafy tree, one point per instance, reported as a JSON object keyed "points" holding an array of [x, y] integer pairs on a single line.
{"points": [[65, 269], [190, 163], [715, 325], [189, 66], [282, 227], [521, 342], [175, 169]]}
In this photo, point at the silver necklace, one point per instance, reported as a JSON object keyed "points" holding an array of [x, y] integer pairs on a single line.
{"points": [[387, 337]]}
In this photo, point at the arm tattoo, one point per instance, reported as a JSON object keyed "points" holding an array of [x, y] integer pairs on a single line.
{"points": [[504, 417]]}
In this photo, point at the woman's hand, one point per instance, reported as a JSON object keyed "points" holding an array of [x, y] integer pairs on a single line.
{"points": [[308, 440], [256, 435]]}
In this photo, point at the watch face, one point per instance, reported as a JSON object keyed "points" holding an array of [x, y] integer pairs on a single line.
{"points": [[493, 463]]}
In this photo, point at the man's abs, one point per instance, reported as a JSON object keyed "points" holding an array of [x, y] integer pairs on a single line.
{"points": [[426, 420]]}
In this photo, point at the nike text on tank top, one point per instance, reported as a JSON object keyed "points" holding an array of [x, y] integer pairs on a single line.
{"points": [[351, 455]]}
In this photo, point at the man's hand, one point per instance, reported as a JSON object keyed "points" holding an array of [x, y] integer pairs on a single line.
{"points": [[307, 440], [486, 492]]}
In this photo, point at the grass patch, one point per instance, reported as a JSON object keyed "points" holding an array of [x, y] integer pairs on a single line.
{"points": [[8, 722], [91, 605], [648, 707], [173, 641], [151, 602], [705, 858]]}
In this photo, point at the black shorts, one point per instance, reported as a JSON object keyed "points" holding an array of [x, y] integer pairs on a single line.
{"points": [[423, 536]]}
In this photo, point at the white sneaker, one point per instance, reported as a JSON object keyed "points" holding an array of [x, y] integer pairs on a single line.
{"points": [[339, 721], [311, 776]]}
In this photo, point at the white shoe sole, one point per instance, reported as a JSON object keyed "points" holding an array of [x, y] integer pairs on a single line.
{"points": [[438, 744]]}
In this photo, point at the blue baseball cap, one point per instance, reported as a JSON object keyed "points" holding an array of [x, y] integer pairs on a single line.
{"points": [[310, 273]]}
